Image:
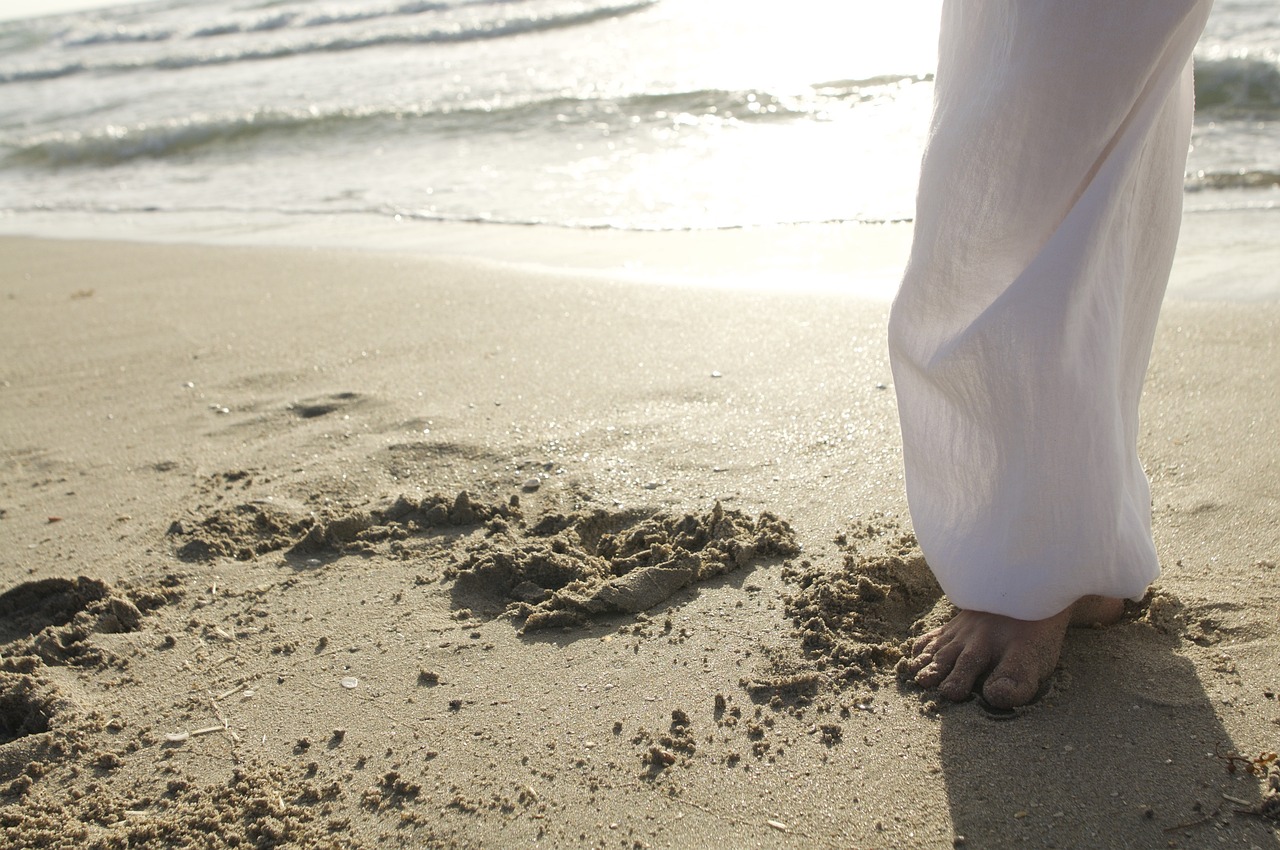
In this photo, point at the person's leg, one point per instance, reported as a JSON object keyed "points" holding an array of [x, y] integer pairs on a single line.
{"points": [[1048, 212]]}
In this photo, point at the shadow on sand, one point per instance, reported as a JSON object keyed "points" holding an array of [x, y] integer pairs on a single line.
{"points": [[1124, 751]]}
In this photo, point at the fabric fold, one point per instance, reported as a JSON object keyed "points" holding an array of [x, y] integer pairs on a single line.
{"points": [[1048, 212]]}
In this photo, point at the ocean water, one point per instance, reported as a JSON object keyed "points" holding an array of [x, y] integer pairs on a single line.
{"points": [[585, 114]]}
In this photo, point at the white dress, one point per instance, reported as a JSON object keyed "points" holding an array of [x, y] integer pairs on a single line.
{"points": [[1048, 211]]}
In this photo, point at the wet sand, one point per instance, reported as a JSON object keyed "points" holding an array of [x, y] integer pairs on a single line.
{"points": [[245, 599]]}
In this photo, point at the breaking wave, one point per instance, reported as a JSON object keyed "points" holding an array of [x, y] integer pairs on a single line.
{"points": [[1238, 87], [116, 144], [503, 27]]}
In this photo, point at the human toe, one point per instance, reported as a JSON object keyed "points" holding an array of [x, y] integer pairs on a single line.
{"points": [[1010, 691], [925, 641], [968, 667], [937, 665], [1016, 679]]}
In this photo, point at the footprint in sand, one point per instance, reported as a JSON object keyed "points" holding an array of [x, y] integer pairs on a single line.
{"points": [[324, 405]]}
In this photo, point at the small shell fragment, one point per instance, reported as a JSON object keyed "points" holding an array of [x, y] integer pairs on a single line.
{"points": [[777, 824], [350, 682], [177, 737]]}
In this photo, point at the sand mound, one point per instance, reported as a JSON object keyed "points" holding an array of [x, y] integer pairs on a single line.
{"points": [[30, 710], [247, 531], [558, 571], [53, 620], [241, 532], [856, 620], [567, 569], [360, 531], [259, 807], [1205, 623], [29, 608], [1161, 610]]}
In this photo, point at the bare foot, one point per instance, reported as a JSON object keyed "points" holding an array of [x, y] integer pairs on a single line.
{"points": [[1016, 656]]}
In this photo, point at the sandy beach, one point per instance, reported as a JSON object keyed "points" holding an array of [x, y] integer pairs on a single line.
{"points": [[330, 547]]}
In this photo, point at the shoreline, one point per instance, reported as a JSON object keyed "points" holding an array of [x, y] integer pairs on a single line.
{"points": [[176, 419], [861, 260]]}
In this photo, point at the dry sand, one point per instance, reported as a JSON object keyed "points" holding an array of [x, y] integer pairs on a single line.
{"points": [[246, 603]]}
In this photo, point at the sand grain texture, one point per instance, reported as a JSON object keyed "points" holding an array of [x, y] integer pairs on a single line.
{"points": [[306, 548]]}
